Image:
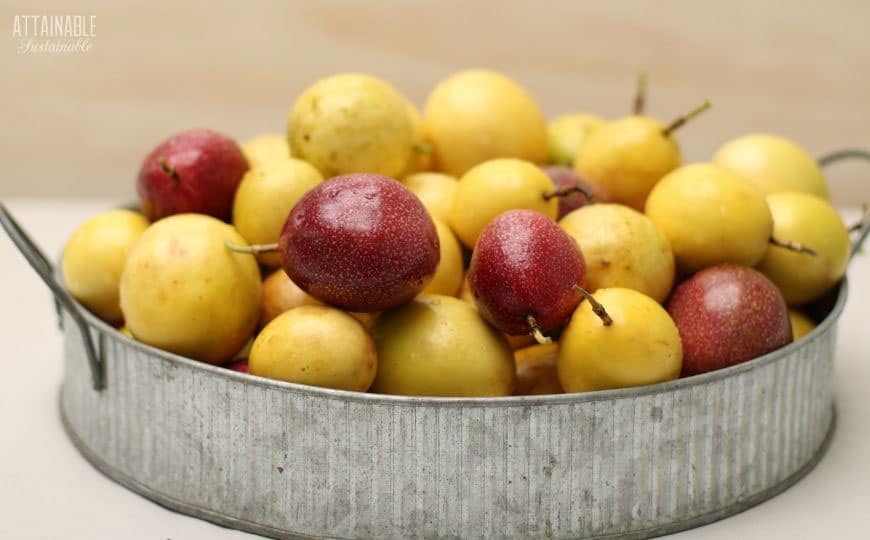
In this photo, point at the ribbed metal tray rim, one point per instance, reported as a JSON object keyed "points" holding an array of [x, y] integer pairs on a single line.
{"points": [[507, 401]]}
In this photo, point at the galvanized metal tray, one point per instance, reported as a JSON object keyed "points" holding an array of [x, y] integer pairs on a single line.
{"points": [[293, 461]]}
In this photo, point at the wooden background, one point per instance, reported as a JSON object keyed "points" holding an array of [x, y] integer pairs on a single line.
{"points": [[79, 125]]}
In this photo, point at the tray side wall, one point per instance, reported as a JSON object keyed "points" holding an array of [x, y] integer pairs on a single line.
{"points": [[306, 465]]}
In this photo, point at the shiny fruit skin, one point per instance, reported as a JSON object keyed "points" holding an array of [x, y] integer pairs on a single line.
{"points": [[814, 223], [563, 178], [536, 370], [94, 257], [711, 216], [515, 342], [436, 191], [622, 248], [478, 115], [773, 163], [350, 123], [361, 242], [728, 314], [195, 171], [641, 347], [439, 346], [494, 187], [801, 324], [183, 291], [318, 346], [265, 197], [566, 135], [525, 265], [264, 148], [448, 275], [627, 158], [280, 294]]}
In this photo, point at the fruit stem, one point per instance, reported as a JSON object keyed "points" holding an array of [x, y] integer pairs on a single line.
{"points": [[253, 249], [564, 192], [640, 93], [164, 166], [422, 148], [865, 217], [677, 123], [536, 331], [793, 246], [597, 308]]}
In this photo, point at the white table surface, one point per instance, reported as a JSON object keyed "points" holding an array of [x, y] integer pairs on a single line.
{"points": [[47, 490]]}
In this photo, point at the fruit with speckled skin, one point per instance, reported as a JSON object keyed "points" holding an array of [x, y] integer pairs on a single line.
{"points": [[728, 314], [515, 342], [622, 248], [265, 197], [566, 135], [628, 157], [773, 163], [814, 223], [565, 178], [525, 266], [362, 242], [536, 370], [436, 191], [448, 275], [641, 346], [184, 291], [316, 345], [477, 115], [801, 324], [439, 346], [93, 260], [280, 294], [497, 186], [349, 123], [194, 171], [710, 216], [265, 148]]}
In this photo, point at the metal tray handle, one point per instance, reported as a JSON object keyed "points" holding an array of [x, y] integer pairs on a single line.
{"points": [[842, 155], [62, 297]]}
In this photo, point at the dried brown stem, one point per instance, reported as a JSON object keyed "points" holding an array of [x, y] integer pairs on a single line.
{"points": [[164, 166], [678, 123], [253, 249], [640, 94], [536, 331], [597, 308], [865, 217], [797, 247], [564, 192]]}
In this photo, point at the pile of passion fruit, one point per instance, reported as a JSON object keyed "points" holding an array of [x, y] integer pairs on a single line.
{"points": [[471, 250]]}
